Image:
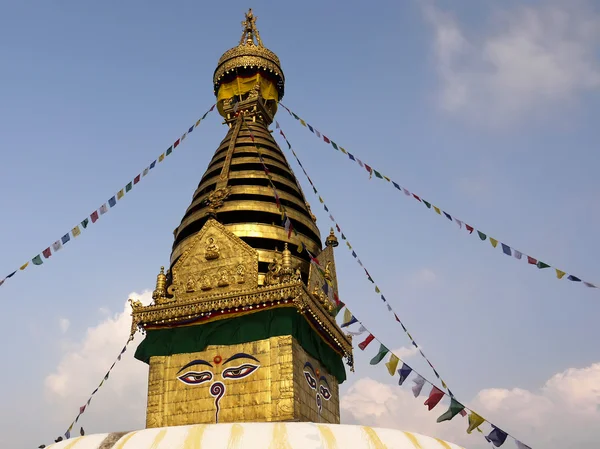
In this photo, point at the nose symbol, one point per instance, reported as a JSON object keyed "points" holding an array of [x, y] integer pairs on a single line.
{"points": [[217, 390]]}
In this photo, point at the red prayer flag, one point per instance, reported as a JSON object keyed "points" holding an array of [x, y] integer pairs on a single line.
{"points": [[365, 343], [176, 143], [136, 179], [47, 253], [469, 228], [396, 316], [434, 398], [369, 169], [94, 216], [416, 197], [531, 260], [326, 139], [463, 413]]}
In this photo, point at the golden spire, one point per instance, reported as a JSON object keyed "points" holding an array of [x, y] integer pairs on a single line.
{"points": [[331, 239], [250, 31]]}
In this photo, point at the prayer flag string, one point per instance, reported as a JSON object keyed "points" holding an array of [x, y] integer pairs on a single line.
{"points": [[506, 249], [85, 406], [112, 202], [355, 255]]}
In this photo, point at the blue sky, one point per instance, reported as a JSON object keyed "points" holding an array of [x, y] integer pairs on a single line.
{"points": [[486, 110]]}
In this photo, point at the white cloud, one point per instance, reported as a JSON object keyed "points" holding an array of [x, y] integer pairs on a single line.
{"points": [[64, 324], [529, 61], [425, 276], [563, 413], [405, 352], [83, 366]]}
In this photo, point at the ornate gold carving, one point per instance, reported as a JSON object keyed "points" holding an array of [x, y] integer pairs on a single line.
{"points": [[212, 249], [250, 30], [161, 281], [216, 198], [135, 304], [212, 261], [312, 216], [331, 239]]}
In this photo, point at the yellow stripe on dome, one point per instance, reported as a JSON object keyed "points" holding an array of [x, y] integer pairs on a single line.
{"points": [[121, 443], [235, 437], [443, 443], [193, 440], [158, 438], [280, 439], [413, 440], [327, 437], [374, 440], [72, 443]]}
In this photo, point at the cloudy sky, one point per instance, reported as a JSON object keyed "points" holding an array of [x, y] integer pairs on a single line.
{"points": [[487, 109]]}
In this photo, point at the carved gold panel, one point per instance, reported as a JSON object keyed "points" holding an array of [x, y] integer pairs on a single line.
{"points": [[215, 261], [267, 380]]}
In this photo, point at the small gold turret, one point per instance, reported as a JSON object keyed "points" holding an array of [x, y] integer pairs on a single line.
{"points": [[331, 239], [160, 291]]}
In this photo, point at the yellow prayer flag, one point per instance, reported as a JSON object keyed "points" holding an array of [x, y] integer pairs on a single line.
{"points": [[392, 364], [444, 385], [387, 179], [559, 274], [300, 247], [24, 266], [343, 151], [347, 316], [120, 194], [474, 422], [377, 290], [348, 243], [161, 157], [76, 231], [303, 122], [437, 209], [198, 122], [321, 200], [494, 242]]}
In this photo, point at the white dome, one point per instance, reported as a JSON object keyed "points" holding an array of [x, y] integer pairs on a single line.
{"points": [[260, 436]]}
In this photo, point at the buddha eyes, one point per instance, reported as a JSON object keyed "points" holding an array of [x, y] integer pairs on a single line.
{"points": [[312, 382], [195, 378], [325, 392], [239, 372]]}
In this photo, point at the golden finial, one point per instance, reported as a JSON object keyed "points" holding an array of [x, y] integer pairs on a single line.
{"points": [[286, 258], [250, 31], [161, 281], [331, 239]]}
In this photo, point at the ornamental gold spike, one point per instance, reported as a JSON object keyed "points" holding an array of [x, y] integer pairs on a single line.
{"points": [[161, 282], [250, 31]]}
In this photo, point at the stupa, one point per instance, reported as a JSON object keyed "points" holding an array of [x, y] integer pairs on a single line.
{"points": [[241, 339]]}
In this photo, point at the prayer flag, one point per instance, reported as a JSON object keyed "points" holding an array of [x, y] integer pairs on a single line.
{"points": [[418, 385], [416, 197], [369, 169], [128, 187], [145, 172], [65, 238], [103, 209], [112, 202], [175, 144], [37, 260], [531, 260], [494, 242], [380, 355], [435, 396], [137, 179], [482, 236], [517, 254], [392, 364], [22, 267], [474, 421], [334, 145], [161, 157], [303, 122], [448, 216], [120, 194], [396, 185], [458, 222], [377, 174], [573, 278], [469, 228], [76, 231], [438, 211], [57, 246], [541, 265], [366, 342], [152, 165], [454, 409], [94, 216], [406, 192], [497, 437], [361, 330], [326, 139], [403, 373], [84, 223], [182, 138], [191, 129], [11, 274], [309, 127], [428, 204], [559, 274], [300, 247], [506, 249], [317, 133], [198, 122], [47, 253]]}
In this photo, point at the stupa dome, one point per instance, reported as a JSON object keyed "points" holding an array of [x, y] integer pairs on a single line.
{"points": [[258, 435]]}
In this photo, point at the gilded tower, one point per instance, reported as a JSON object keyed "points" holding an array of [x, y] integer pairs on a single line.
{"points": [[242, 324]]}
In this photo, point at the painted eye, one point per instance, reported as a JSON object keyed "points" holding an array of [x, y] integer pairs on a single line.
{"points": [[239, 372], [195, 378], [312, 383], [325, 392]]}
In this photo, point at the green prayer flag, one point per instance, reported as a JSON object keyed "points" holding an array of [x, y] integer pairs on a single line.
{"points": [[333, 144], [37, 260], [128, 187], [541, 264], [427, 204], [377, 174], [380, 355], [482, 236], [170, 150], [85, 222], [454, 409], [295, 116]]}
